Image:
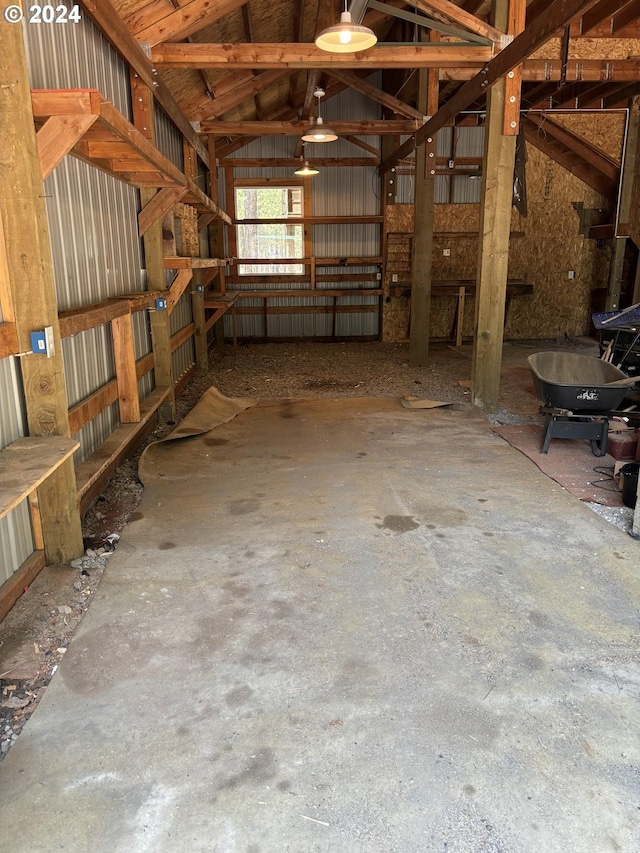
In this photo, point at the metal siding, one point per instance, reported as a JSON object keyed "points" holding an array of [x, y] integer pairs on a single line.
{"points": [[16, 541], [168, 138], [77, 56], [96, 255], [182, 316]]}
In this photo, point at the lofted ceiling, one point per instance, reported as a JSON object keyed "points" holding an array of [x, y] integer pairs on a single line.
{"points": [[235, 66]]}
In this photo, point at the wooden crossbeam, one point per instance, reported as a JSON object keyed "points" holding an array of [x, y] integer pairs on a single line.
{"points": [[542, 28], [296, 128], [547, 70], [280, 55]]}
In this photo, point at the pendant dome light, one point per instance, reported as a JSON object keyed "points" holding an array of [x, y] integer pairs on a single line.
{"points": [[305, 170], [347, 37], [318, 131]]}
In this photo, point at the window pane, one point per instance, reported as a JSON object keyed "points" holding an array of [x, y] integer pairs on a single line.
{"points": [[270, 240]]}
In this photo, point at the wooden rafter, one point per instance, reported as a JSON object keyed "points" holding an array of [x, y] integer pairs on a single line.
{"points": [[574, 154], [459, 16], [158, 23], [394, 104], [554, 18], [227, 102], [106, 18]]}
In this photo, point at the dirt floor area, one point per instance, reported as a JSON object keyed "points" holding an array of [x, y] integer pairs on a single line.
{"points": [[35, 635]]}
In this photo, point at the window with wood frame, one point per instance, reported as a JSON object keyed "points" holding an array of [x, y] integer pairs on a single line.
{"points": [[270, 239]]}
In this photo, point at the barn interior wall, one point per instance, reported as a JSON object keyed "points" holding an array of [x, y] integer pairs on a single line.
{"points": [[546, 246]]}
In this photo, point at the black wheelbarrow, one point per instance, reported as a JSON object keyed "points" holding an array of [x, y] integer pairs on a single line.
{"points": [[578, 394]]}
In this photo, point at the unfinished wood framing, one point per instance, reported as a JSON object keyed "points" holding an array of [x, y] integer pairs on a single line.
{"points": [[32, 287], [495, 224]]}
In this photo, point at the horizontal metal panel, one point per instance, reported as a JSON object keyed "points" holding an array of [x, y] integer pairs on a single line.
{"points": [[342, 191]]}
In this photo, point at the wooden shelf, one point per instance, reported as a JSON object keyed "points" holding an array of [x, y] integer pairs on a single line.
{"points": [[515, 287], [177, 262], [84, 123]]}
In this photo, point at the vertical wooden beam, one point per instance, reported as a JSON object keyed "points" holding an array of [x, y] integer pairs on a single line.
{"points": [[630, 157], [216, 233], [125, 359], [200, 334], [513, 80], [495, 221], [32, 293], [422, 252], [142, 101]]}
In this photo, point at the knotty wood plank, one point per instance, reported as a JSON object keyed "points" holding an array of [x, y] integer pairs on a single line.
{"points": [[280, 55], [106, 457], [27, 463], [12, 589], [80, 319], [125, 361], [57, 137], [8, 339], [178, 287], [159, 205], [183, 21]]}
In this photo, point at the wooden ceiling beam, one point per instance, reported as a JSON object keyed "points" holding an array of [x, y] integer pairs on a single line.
{"points": [[297, 128], [458, 16], [397, 106], [179, 23], [223, 104], [622, 19], [573, 154], [601, 11], [547, 24], [280, 55], [109, 22], [576, 70], [622, 97]]}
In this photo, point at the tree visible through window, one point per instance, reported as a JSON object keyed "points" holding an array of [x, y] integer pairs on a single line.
{"points": [[270, 240]]}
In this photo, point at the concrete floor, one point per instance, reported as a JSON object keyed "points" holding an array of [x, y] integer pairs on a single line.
{"points": [[345, 626]]}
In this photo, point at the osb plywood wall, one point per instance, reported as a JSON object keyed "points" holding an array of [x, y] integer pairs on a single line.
{"points": [[545, 246], [187, 226]]}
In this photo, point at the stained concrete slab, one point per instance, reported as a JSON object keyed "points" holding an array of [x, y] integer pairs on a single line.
{"points": [[345, 626]]}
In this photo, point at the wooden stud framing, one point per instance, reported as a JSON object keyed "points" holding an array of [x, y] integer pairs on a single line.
{"points": [[142, 101], [33, 292], [159, 205], [125, 359]]}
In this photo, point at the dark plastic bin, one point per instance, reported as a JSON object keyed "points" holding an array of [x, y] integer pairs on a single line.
{"points": [[629, 474]]}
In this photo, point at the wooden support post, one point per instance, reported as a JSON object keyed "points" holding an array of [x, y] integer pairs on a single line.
{"points": [[142, 101], [460, 315], [422, 252], [126, 377], [216, 230], [200, 336], [495, 221], [33, 294], [623, 214], [513, 79]]}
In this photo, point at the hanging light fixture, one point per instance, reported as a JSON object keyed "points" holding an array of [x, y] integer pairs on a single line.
{"points": [[318, 131], [347, 37], [305, 170]]}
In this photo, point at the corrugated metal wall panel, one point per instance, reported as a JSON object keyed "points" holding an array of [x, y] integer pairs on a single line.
{"points": [[182, 316], [168, 138], [340, 241], [267, 147], [16, 542], [346, 192], [77, 56]]}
